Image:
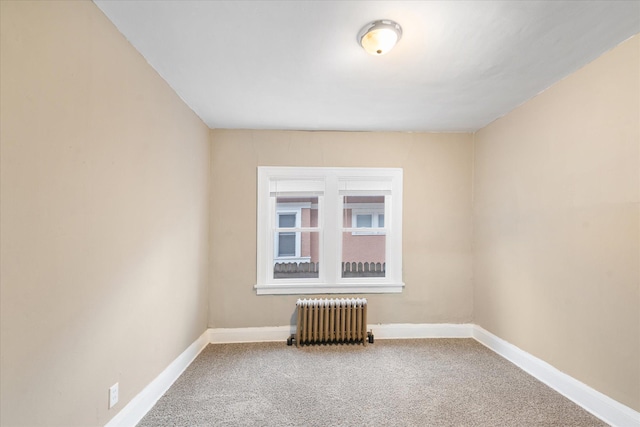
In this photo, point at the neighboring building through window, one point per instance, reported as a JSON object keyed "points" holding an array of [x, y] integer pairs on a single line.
{"points": [[330, 230], [366, 212], [294, 246]]}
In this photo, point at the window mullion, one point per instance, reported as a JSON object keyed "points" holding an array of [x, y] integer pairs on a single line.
{"points": [[331, 230]]}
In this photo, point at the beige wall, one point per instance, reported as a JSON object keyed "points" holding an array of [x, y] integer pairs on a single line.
{"points": [[104, 201], [436, 220], [556, 231]]}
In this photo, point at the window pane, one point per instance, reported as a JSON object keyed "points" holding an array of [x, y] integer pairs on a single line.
{"points": [[363, 255], [287, 220], [305, 264], [286, 244], [381, 220], [363, 221]]}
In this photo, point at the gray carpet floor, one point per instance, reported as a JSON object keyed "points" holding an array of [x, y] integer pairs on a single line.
{"points": [[428, 382]]}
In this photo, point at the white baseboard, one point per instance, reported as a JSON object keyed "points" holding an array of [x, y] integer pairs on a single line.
{"points": [[239, 335], [603, 407], [600, 405], [421, 330], [138, 407]]}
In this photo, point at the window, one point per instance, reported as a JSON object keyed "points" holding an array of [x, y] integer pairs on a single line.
{"points": [[329, 230], [366, 212], [286, 240]]}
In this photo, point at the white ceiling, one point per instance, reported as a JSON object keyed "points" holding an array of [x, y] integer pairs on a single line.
{"points": [[297, 65]]}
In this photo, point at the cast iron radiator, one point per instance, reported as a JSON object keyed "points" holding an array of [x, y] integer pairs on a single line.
{"points": [[331, 321]]}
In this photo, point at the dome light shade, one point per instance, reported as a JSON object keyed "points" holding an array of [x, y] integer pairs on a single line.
{"points": [[379, 37]]}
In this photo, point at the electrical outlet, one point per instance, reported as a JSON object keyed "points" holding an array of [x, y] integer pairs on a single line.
{"points": [[113, 395]]}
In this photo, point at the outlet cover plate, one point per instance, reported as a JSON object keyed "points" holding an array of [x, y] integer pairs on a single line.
{"points": [[113, 395]]}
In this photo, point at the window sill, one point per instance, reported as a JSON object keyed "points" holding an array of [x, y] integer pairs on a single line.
{"points": [[300, 288]]}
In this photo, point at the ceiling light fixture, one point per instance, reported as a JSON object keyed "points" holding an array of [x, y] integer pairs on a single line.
{"points": [[379, 37]]}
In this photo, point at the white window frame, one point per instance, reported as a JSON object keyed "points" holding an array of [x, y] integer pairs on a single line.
{"points": [[329, 185]]}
